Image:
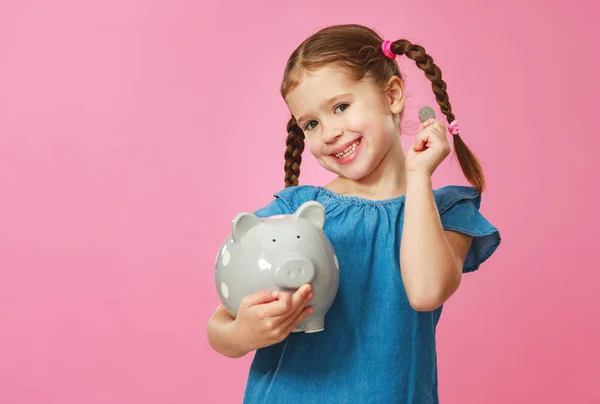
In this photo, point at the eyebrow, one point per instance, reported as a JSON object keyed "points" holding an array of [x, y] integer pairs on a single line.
{"points": [[325, 103]]}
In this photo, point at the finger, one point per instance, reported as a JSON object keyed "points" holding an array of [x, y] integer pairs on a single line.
{"points": [[301, 295], [279, 307], [260, 297], [286, 303], [302, 303], [438, 134], [428, 122], [296, 303], [307, 311], [294, 315]]}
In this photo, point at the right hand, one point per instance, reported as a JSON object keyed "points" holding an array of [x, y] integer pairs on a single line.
{"points": [[265, 318]]}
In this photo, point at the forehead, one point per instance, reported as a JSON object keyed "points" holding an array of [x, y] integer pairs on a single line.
{"points": [[316, 86]]}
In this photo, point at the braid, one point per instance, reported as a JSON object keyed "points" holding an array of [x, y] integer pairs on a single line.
{"points": [[294, 146], [468, 162]]}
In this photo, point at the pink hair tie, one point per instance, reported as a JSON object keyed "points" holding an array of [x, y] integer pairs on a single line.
{"points": [[387, 51], [453, 128]]}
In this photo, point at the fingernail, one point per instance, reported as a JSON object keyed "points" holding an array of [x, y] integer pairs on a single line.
{"points": [[310, 296], [275, 292]]}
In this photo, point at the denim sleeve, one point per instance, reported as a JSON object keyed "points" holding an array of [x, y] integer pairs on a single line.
{"points": [[276, 207], [460, 213]]}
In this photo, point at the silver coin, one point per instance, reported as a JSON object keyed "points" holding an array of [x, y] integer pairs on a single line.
{"points": [[426, 113]]}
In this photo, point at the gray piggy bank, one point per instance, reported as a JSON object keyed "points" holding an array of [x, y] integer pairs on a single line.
{"points": [[281, 253]]}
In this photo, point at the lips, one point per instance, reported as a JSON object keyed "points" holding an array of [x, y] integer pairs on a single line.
{"points": [[348, 153], [345, 147]]}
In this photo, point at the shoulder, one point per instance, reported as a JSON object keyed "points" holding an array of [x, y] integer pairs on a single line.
{"points": [[295, 196], [288, 200]]}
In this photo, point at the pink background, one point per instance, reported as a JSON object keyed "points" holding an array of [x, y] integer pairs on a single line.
{"points": [[113, 202]]}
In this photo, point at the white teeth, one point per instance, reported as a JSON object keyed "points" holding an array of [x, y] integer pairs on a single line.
{"points": [[348, 150]]}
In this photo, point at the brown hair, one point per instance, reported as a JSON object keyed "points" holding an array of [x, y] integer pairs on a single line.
{"points": [[357, 50]]}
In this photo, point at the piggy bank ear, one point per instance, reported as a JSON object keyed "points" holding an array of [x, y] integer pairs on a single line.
{"points": [[312, 211], [242, 224]]}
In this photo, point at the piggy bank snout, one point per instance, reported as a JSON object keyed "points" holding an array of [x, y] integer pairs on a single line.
{"points": [[294, 271]]}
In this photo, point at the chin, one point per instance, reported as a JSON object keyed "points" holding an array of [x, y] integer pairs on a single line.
{"points": [[353, 172], [354, 166]]}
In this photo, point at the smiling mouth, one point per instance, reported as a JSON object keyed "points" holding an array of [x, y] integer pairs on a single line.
{"points": [[348, 150]]}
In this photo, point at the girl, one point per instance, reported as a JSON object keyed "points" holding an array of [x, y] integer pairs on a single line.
{"points": [[346, 95]]}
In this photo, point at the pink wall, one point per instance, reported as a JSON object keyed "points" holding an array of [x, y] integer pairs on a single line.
{"points": [[113, 204]]}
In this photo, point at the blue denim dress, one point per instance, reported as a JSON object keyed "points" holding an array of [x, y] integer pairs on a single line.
{"points": [[375, 347]]}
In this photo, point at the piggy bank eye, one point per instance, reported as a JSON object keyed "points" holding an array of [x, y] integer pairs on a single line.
{"points": [[274, 240], [298, 236]]}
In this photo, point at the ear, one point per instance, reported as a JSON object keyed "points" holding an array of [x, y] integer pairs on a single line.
{"points": [[395, 95], [312, 211], [242, 224]]}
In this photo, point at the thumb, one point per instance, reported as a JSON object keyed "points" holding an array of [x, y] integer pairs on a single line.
{"points": [[262, 296]]}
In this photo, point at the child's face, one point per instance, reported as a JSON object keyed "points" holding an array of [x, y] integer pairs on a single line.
{"points": [[349, 126]]}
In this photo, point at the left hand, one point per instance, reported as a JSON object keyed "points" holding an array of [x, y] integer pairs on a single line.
{"points": [[429, 149]]}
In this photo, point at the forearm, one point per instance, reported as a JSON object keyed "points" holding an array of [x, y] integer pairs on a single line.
{"points": [[221, 335], [428, 266]]}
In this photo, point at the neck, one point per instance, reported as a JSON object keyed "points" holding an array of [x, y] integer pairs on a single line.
{"points": [[387, 180]]}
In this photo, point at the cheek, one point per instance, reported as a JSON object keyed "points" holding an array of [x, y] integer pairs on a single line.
{"points": [[367, 121], [359, 122], [313, 146], [371, 126]]}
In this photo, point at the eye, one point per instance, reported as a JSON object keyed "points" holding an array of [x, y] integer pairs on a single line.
{"points": [[274, 240], [342, 106], [298, 236], [308, 125]]}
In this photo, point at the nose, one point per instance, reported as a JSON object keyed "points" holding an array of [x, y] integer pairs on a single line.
{"points": [[294, 272], [329, 136]]}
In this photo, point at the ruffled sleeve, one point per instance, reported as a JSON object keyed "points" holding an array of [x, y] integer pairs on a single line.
{"points": [[459, 211]]}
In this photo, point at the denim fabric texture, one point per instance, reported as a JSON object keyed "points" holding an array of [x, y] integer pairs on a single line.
{"points": [[375, 347]]}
